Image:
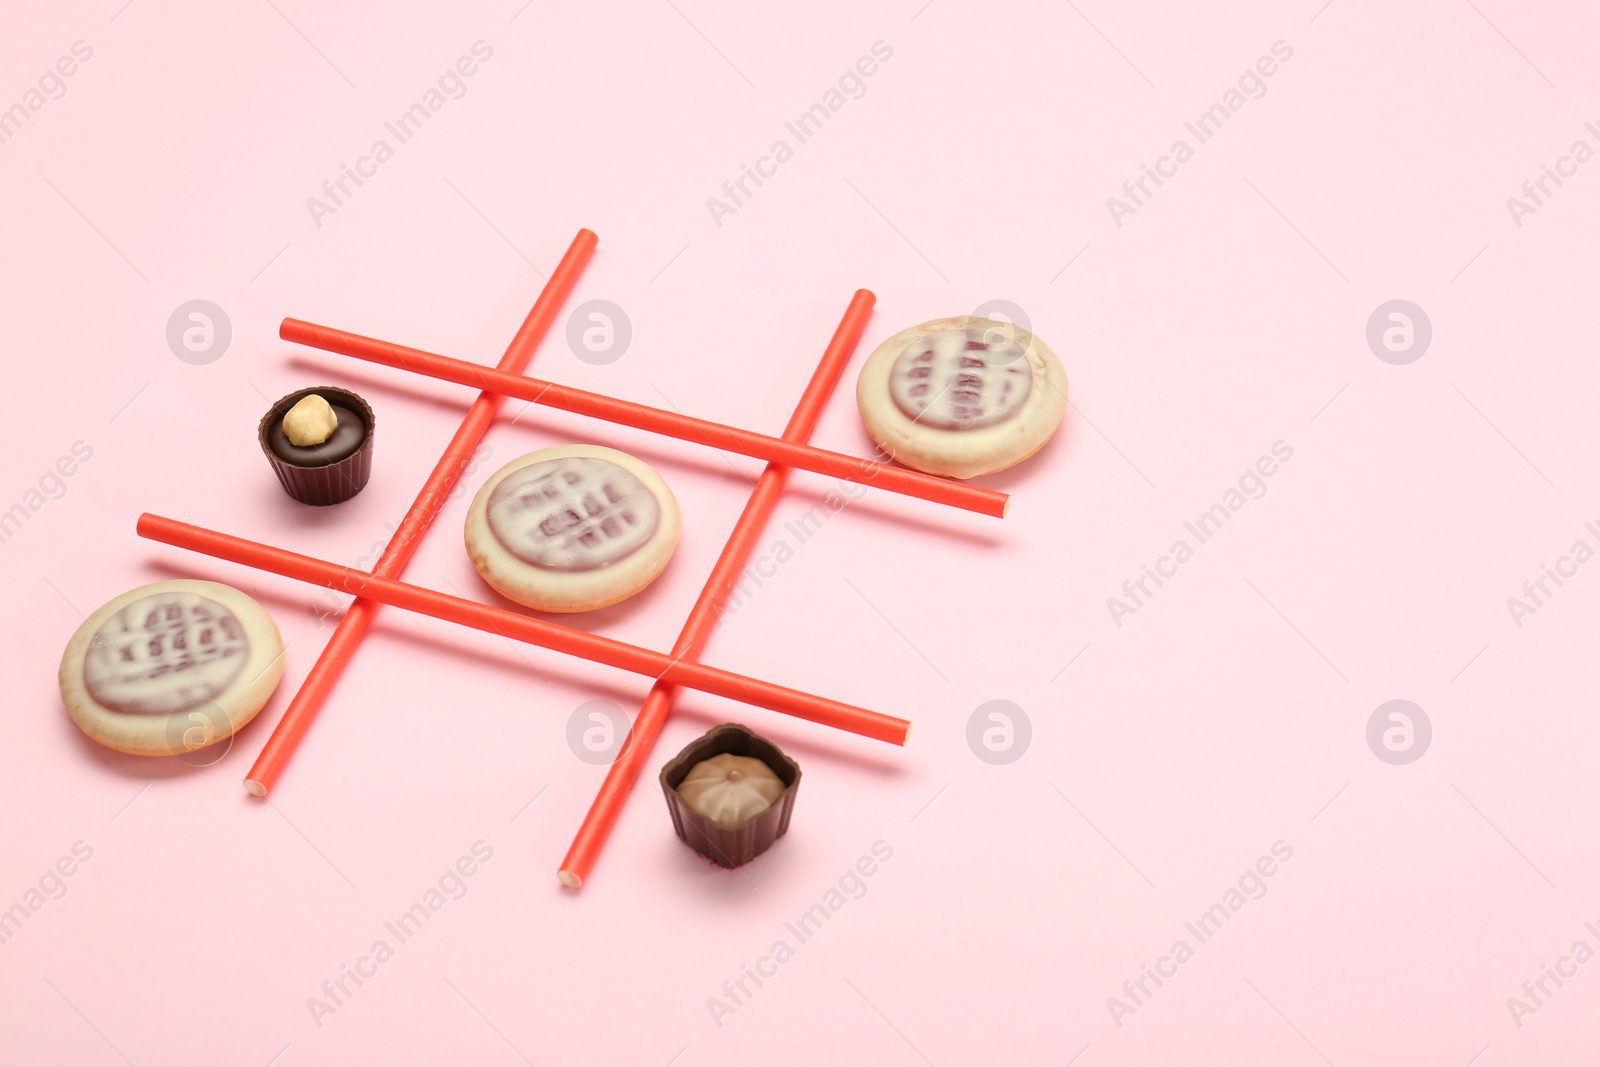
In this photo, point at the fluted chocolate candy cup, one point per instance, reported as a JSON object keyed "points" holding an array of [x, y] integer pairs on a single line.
{"points": [[326, 481], [731, 846]]}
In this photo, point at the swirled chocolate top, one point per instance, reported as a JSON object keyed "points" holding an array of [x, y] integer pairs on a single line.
{"points": [[730, 790]]}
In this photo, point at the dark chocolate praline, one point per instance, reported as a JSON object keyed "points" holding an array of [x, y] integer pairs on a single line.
{"points": [[346, 438]]}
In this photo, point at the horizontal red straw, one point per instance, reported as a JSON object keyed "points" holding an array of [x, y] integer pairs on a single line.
{"points": [[302, 710], [790, 453], [624, 772], [510, 624]]}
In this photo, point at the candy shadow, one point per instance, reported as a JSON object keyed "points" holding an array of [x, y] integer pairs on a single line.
{"points": [[339, 372], [925, 523]]}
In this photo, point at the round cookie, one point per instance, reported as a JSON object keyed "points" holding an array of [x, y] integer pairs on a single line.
{"points": [[168, 668], [962, 396], [572, 528]]}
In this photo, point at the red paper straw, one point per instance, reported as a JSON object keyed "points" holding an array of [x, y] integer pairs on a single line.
{"points": [[624, 772], [791, 453], [302, 710], [574, 642]]}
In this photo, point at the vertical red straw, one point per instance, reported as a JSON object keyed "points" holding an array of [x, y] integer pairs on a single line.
{"points": [[302, 710], [641, 739]]}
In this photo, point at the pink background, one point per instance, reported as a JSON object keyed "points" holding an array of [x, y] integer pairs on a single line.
{"points": [[1227, 714]]}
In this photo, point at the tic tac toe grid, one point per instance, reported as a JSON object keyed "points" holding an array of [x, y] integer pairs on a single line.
{"points": [[671, 671]]}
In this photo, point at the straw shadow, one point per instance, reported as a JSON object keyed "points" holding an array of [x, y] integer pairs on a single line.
{"points": [[898, 513], [498, 657], [559, 425], [1027, 470], [339, 370], [595, 621], [492, 653], [785, 732], [719, 467], [209, 569]]}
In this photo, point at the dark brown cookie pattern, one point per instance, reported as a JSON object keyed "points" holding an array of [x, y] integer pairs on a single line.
{"points": [[164, 653], [577, 513], [962, 379]]}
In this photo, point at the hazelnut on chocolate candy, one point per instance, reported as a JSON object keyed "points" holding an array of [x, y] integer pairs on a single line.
{"points": [[319, 443], [310, 422]]}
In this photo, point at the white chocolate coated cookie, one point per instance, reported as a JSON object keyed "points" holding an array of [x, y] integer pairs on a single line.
{"points": [[168, 668], [962, 396], [572, 528]]}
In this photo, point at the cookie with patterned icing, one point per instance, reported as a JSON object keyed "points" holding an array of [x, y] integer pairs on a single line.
{"points": [[962, 396], [572, 528], [168, 668]]}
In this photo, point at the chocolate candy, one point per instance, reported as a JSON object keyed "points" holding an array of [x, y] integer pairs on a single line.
{"points": [[730, 790], [334, 470], [349, 435], [697, 806]]}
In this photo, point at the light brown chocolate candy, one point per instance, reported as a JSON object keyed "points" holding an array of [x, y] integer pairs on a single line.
{"points": [[730, 790]]}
